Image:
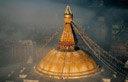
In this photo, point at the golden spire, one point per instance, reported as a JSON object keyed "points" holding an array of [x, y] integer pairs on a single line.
{"points": [[68, 16], [68, 11], [67, 41]]}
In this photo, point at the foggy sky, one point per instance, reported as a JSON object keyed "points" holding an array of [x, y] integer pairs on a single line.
{"points": [[19, 18]]}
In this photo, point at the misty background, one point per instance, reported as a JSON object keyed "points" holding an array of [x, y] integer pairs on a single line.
{"points": [[39, 19], [25, 25]]}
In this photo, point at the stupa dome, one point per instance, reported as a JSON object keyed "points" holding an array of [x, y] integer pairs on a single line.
{"points": [[67, 65]]}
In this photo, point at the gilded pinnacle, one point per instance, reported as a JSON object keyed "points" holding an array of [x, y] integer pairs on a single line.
{"points": [[68, 11]]}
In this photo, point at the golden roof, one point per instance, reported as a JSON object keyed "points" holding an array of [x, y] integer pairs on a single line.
{"points": [[67, 65], [66, 62]]}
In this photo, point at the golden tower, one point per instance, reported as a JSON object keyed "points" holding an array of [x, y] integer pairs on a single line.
{"points": [[67, 62], [67, 40]]}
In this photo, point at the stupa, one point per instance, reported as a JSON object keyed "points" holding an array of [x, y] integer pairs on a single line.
{"points": [[67, 61]]}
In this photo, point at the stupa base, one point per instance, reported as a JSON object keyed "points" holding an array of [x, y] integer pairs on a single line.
{"points": [[59, 75]]}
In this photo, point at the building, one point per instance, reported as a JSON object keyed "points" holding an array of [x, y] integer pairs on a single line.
{"points": [[21, 50], [119, 40], [67, 61]]}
